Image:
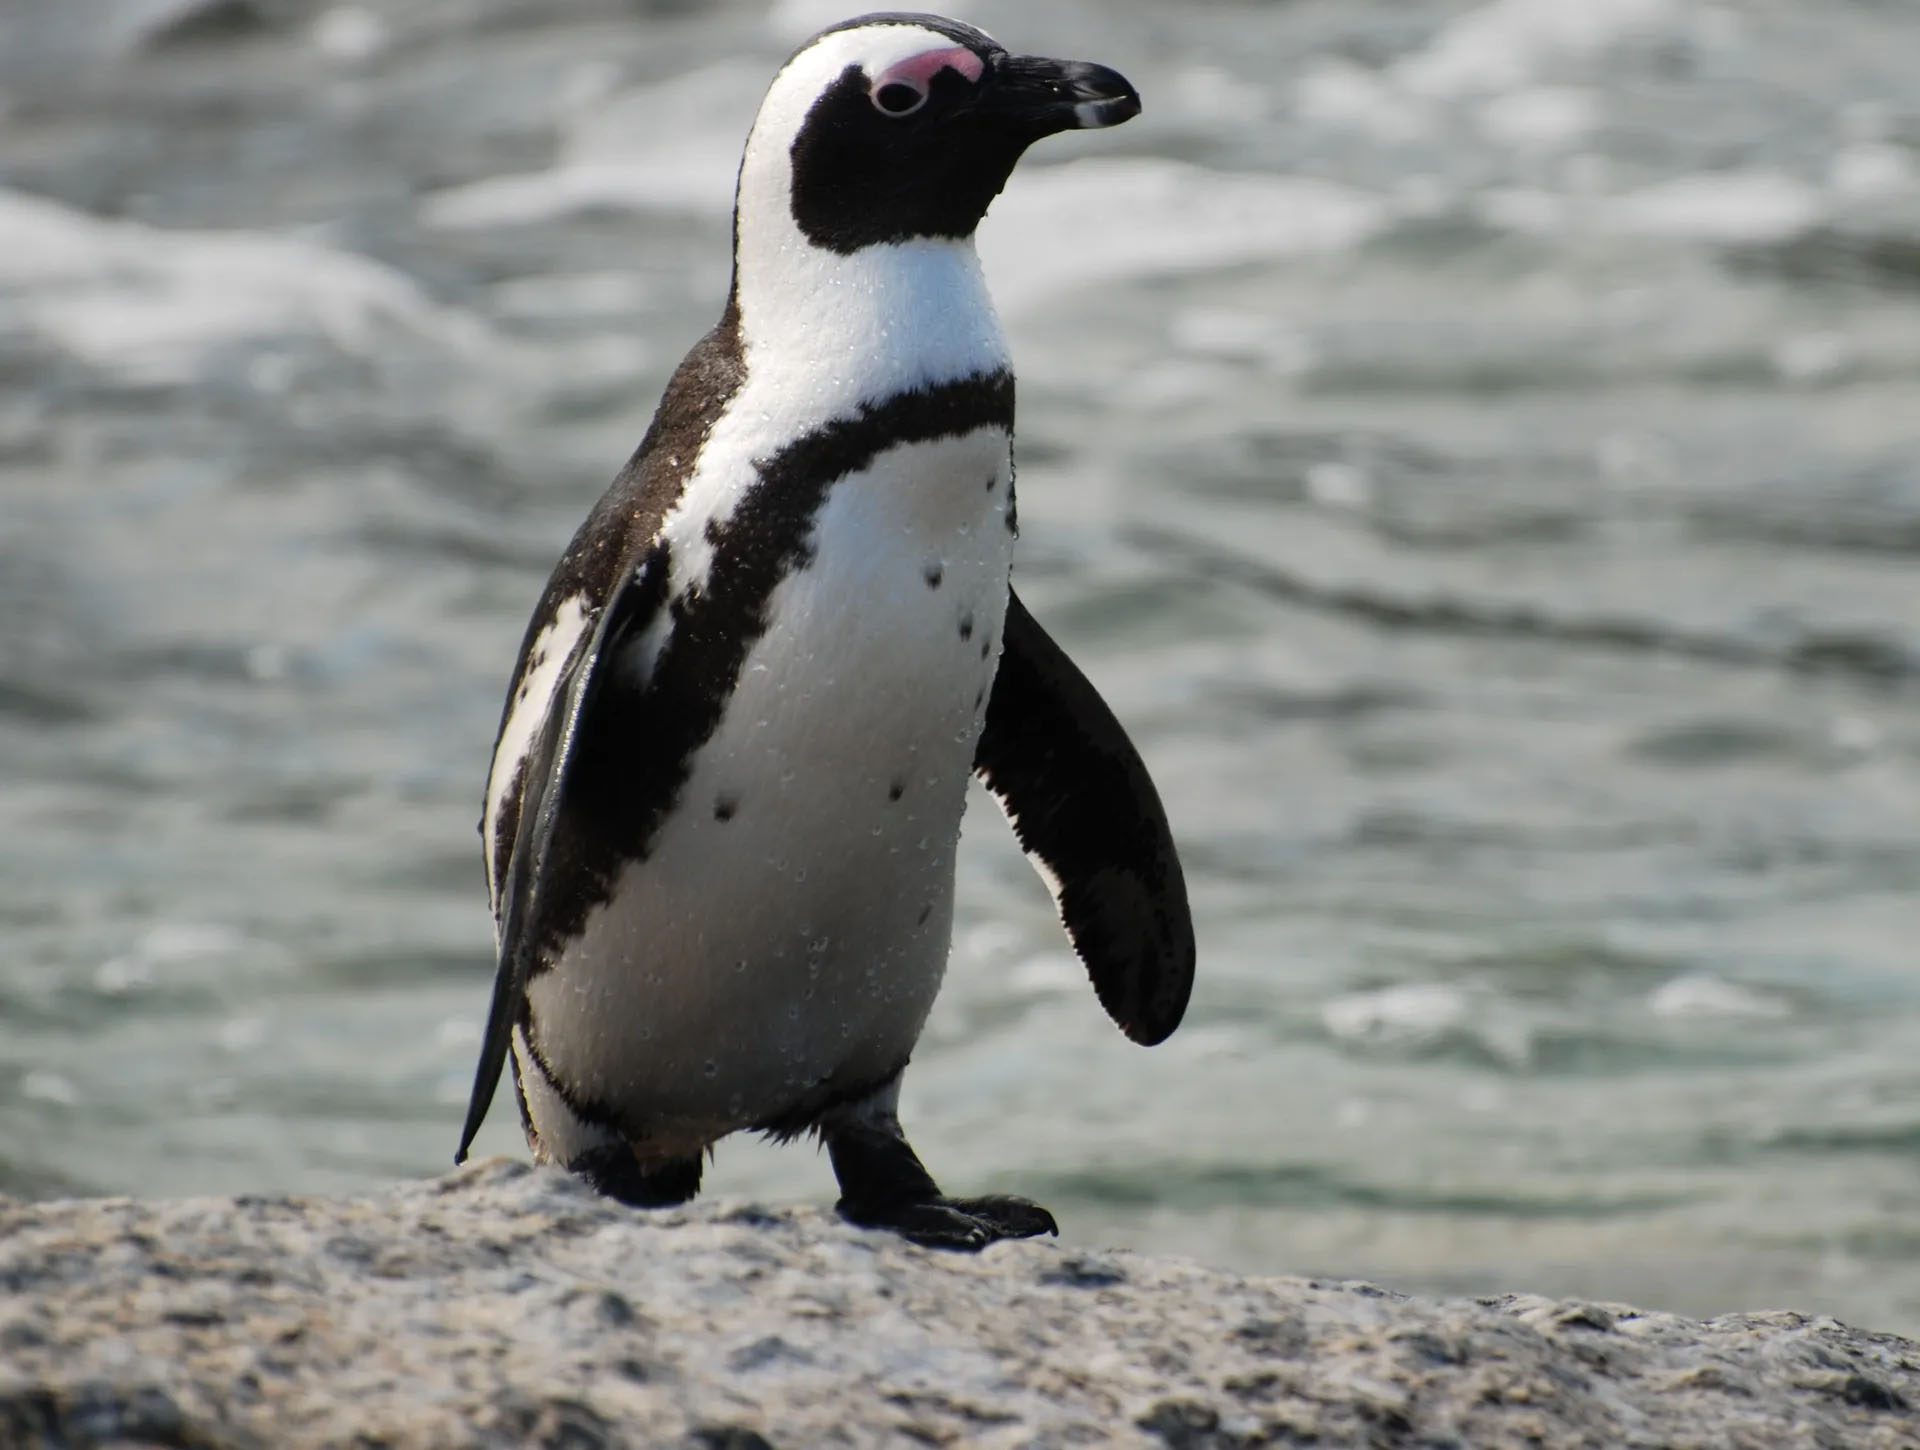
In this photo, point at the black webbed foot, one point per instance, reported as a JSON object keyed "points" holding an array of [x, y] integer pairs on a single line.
{"points": [[1010, 1217], [884, 1185], [616, 1172], [966, 1224]]}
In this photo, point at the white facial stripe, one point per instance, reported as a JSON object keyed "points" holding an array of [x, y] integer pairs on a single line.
{"points": [[765, 169], [874, 48], [919, 70], [787, 285]]}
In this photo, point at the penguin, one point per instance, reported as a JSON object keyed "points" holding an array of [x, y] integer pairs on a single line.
{"points": [[721, 822]]}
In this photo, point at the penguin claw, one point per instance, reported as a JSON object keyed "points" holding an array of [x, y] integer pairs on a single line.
{"points": [[966, 1225], [1009, 1217]]}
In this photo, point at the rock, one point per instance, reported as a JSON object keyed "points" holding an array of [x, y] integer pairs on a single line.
{"points": [[504, 1306]]}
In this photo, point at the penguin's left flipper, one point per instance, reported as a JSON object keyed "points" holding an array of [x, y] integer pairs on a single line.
{"points": [[545, 774], [1086, 813]]}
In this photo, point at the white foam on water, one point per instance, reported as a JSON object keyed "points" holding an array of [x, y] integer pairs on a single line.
{"points": [[1871, 171], [39, 1085], [1209, 96], [1414, 1017], [1243, 336], [1507, 43], [1048, 973], [795, 20], [1105, 219], [1540, 118], [1856, 735], [1408, 1014], [1813, 358], [75, 32], [167, 944], [1339, 485], [148, 303], [672, 147], [988, 941], [1726, 207], [1499, 64], [571, 295], [349, 33], [459, 1034], [1699, 995], [241, 1034], [1342, 94]]}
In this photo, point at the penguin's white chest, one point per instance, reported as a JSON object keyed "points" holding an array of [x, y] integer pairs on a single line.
{"points": [[787, 931]]}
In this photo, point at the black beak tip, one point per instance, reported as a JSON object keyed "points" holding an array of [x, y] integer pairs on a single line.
{"points": [[1108, 111], [1040, 96], [1101, 97]]}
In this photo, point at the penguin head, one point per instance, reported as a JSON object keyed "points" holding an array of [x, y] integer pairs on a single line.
{"points": [[896, 127]]}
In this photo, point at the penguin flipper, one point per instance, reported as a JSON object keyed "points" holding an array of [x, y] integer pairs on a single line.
{"points": [[1087, 815], [539, 810]]}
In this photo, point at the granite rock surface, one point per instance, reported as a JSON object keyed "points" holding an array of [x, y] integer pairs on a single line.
{"points": [[504, 1306]]}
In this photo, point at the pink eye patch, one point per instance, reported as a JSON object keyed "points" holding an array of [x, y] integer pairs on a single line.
{"points": [[918, 71]]}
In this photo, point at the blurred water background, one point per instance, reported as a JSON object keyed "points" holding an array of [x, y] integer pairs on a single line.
{"points": [[1474, 444]]}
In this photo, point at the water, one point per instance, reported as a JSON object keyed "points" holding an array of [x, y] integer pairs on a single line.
{"points": [[1472, 445]]}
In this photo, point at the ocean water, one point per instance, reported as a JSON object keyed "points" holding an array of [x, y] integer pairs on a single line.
{"points": [[1475, 447]]}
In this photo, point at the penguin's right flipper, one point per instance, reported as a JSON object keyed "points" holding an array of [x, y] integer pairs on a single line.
{"points": [[539, 809], [1087, 815]]}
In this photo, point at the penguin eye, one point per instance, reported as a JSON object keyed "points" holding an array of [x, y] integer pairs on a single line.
{"points": [[907, 85], [898, 98]]}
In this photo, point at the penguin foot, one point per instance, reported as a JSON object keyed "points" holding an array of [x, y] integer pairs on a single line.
{"points": [[1011, 1217], [965, 1224], [616, 1172], [883, 1185]]}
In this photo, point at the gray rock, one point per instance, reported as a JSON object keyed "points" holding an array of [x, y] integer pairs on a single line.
{"points": [[504, 1306]]}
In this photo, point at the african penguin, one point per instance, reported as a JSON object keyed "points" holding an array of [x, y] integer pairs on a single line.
{"points": [[721, 821]]}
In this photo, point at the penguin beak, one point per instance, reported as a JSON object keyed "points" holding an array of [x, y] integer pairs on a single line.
{"points": [[1040, 97]]}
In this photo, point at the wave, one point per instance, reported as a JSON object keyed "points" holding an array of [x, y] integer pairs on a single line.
{"points": [[155, 305], [1854, 654], [1191, 1186]]}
